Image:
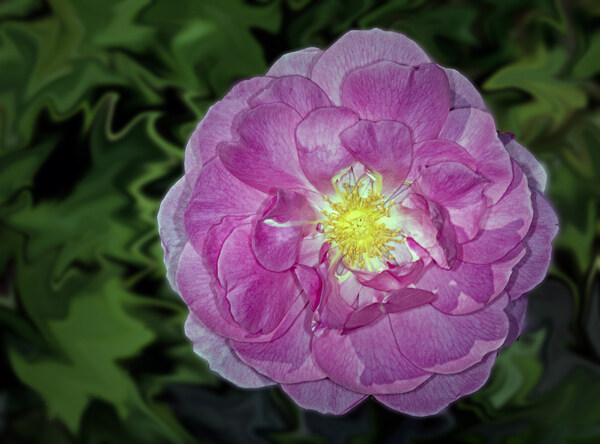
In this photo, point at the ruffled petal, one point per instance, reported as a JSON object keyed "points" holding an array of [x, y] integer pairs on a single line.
{"points": [[311, 283], [416, 96], [467, 287], [297, 62], [277, 235], [535, 172], [504, 226], [462, 92], [443, 343], [265, 157], [295, 91], [360, 48], [320, 150], [287, 359], [384, 147], [217, 126], [474, 130], [221, 358], [351, 360], [538, 242], [441, 390], [171, 227], [258, 298], [432, 152], [218, 194], [515, 310], [324, 396]]}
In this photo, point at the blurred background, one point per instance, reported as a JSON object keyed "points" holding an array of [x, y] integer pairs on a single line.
{"points": [[97, 100]]}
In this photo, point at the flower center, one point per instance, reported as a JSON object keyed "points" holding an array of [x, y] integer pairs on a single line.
{"points": [[356, 224]]}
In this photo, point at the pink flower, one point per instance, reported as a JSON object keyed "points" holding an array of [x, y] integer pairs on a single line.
{"points": [[352, 224]]}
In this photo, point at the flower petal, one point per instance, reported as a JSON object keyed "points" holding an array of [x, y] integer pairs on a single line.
{"points": [[311, 283], [384, 147], [259, 299], [352, 360], [296, 91], [320, 150], [474, 130], [432, 152], [462, 92], [515, 310], [531, 167], [265, 157], [217, 194], [297, 62], [287, 359], [416, 96], [221, 358], [277, 235], [217, 126], [441, 390], [360, 48], [324, 396], [171, 227], [504, 226], [443, 343], [532, 269]]}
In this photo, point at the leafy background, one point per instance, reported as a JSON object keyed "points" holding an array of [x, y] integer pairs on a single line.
{"points": [[97, 99]]}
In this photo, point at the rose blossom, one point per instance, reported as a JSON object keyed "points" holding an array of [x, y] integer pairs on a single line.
{"points": [[352, 224]]}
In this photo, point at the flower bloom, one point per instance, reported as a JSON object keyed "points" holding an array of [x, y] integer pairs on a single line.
{"points": [[352, 224]]}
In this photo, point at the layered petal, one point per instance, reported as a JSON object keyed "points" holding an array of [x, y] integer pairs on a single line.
{"points": [[384, 147], [295, 91], [440, 390], [462, 92], [352, 361], [535, 173], [258, 298], [475, 131], [432, 152], [295, 63], [320, 150], [171, 226], [277, 235], [221, 358], [443, 343], [265, 156], [361, 48], [217, 126], [324, 396], [416, 96], [538, 242], [287, 359], [515, 310]]}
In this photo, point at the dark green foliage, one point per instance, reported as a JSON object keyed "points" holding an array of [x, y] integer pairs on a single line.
{"points": [[97, 99]]}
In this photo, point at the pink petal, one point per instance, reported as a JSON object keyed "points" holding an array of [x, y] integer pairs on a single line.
{"points": [[218, 194], [360, 48], [198, 288], [443, 343], [296, 91], [259, 299], [441, 390], [416, 96], [217, 126], [462, 92], [324, 396], [385, 147], [277, 235], [311, 283], [392, 279], [221, 358], [535, 173], [171, 227], [265, 157], [288, 358], [352, 360], [504, 226], [432, 152], [532, 269], [515, 310], [297, 62], [468, 287], [475, 131], [320, 150]]}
